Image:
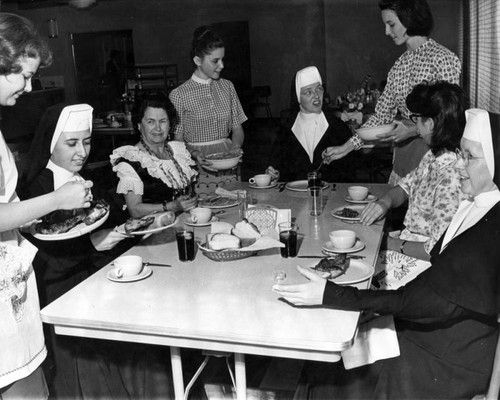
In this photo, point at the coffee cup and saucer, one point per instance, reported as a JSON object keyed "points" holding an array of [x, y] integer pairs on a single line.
{"points": [[128, 269], [262, 181], [200, 216], [343, 241]]}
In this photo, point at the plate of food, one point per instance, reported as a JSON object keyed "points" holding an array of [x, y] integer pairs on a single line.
{"points": [[330, 248], [69, 224], [369, 199], [301, 186], [348, 213], [223, 161], [343, 270], [216, 202], [153, 223]]}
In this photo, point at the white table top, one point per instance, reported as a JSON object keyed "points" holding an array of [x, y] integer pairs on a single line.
{"points": [[223, 306]]}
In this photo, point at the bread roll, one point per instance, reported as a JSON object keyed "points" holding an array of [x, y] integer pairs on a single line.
{"points": [[221, 227], [246, 230], [222, 241]]}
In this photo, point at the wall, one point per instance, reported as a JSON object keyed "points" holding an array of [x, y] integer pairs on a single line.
{"points": [[343, 38]]}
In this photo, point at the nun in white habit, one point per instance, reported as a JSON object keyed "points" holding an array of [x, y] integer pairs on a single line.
{"points": [[299, 149]]}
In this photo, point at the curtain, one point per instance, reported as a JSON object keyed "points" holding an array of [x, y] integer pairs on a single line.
{"points": [[481, 53]]}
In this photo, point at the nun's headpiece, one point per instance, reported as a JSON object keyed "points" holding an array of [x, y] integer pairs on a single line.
{"points": [[478, 129], [306, 76], [75, 118]]}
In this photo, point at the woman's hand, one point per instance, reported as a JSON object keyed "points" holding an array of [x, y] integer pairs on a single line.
{"points": [[275, 174], [373, 212], [183, 203], [303, 294], [73, 195], [200, 159], [404, 130], [337, 152]]}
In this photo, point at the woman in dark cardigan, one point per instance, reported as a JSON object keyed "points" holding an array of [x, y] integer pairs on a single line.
{"points": [[301, 142], [446, 318]]}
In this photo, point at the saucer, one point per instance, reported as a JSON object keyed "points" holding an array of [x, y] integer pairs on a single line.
{"points": [[189, 222], [255, 186], [369, 199], [330, 248], [146, 271]]}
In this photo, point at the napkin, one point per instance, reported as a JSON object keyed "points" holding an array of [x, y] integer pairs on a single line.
{"points": [[232, 194]]}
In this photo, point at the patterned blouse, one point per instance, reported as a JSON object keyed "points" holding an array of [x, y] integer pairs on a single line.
{"points": [[430, 62], [434, 195], [207, 110]]}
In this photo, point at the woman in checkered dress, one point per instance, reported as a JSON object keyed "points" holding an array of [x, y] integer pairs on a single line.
{"points": [[210, 115]]}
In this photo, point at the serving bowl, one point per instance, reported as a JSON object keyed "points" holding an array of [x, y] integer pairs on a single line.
{"points": [[371, 133], [223, 161]]}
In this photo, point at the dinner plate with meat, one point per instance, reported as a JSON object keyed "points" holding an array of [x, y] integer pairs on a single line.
{"points": [[215, 202], [153, 223], [343, 270], [69, 224], [350, 213]]}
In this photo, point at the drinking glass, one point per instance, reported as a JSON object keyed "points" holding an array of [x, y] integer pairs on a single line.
{"points": [[315, 198], [288, 236], [313, 179], [185, 243]]}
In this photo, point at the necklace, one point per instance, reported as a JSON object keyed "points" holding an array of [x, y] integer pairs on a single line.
{"points": [[184, 179]]}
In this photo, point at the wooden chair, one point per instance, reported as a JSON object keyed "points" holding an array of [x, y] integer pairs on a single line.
{"points": [[263, 218]]}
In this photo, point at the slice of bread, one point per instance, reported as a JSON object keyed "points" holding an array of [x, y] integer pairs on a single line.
{"points": [[222, 241], [246, 230]]}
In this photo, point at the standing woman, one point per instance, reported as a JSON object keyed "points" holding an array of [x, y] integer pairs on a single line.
{"points": [[407, 22], [22, 347], [208, 109]]}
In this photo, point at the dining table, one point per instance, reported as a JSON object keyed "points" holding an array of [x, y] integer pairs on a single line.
{"points": [[224, 306]]}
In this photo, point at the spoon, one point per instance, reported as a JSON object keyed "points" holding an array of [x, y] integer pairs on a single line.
{"points": [[156, 264], [320, 165]]}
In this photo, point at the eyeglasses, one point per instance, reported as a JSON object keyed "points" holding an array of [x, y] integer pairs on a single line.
{"points": [[414, 117], [465, 157], [311, 92]]}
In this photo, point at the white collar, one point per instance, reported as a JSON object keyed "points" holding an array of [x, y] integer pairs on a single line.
{"points": [[309, 129], [201, 80], [62, 175], [487, 199]]}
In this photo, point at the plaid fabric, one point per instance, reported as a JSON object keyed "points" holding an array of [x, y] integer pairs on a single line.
{"points": [[206, 111]]}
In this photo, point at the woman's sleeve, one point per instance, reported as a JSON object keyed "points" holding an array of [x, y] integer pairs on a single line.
{"points": [[237, 114], [415, 302], [129, 180], [449, 69]]}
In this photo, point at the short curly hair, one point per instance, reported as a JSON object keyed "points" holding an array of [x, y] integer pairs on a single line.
{"points": [[19, 39], [445, 104], [415, 15]]}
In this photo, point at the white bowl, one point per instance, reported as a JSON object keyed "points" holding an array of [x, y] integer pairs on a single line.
{"points": [[357, 193], [372, 132], [221, 162], [343, 239]]}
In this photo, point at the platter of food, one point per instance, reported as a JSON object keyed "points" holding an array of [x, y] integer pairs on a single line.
{"points": [[301, 186], [343, 270], [153, 223], [69, 224], [223, 161], [350, 213], [369, 199], [216, 202]]}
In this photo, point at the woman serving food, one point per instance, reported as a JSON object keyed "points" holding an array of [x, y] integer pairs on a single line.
{"points": [[155, 175], [209, 110]]}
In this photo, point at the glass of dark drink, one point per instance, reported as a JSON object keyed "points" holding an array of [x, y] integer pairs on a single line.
{"points": [[185, 243], [313, 179], [288, 236]]}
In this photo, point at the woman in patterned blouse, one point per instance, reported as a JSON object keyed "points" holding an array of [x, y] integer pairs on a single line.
{"points": [[208, 108], [410, 23]]}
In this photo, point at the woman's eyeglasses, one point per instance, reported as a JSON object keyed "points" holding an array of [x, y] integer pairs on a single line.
{"points": [[414, 117], [311, 92], [465, 157]]}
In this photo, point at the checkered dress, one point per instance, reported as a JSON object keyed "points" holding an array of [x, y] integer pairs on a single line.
{"points": [[207, 111]]}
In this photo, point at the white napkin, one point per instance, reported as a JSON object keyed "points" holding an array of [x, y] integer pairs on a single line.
{"points": [[376, 340]]}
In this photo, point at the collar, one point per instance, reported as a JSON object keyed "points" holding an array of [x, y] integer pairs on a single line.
{"points": [[202, 81], [423, 46], [309, 117], [61, 175], [483, 200]]}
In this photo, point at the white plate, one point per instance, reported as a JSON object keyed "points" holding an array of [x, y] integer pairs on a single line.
{"points": [[330, 248], [146, 271], [229, 203], [358, 271], [254, 186], [151, 228], [369, 199], [189, 222], [301, 186], [357, 208], [76, 231]]}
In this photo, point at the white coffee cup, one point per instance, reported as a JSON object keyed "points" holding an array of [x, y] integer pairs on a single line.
{"points": [[127, 266], [343, 239], [261, 180], [200, 215], [357, 193]]}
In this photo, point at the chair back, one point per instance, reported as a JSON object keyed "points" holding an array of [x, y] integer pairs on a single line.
{"points": [[262, 218]]}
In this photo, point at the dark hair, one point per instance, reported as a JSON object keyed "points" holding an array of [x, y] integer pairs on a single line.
{"points": [[156, 100], [415, 15], [204, 41], [18, 39], [445, 103]]}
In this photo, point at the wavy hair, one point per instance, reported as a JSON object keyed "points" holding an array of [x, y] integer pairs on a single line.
{"points": [[445, 104], [19, 39], [415, 15]]}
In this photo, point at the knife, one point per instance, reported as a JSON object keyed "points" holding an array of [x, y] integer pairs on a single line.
{"points": [[282, 187]]}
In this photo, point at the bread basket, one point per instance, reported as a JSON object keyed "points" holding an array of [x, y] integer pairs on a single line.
{"points": [[225, 255]]}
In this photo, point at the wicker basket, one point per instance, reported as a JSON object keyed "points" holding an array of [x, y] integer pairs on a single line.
{"points": [[225, 255]]}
